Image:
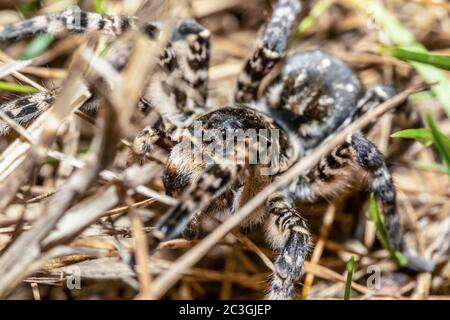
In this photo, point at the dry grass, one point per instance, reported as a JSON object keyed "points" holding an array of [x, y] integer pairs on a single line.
{"points": [[85, 212]]}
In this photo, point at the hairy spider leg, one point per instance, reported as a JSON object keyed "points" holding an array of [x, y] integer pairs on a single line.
{"points": [[269, 50], [212, 182], [288, 233], [72, 20], [182, 71], [180, 90], [26, 109], [338, 171]]}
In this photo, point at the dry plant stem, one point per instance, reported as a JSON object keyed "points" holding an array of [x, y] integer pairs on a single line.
{"points": [[35, 288], [423, 287], [142, 254], [166, 280], [17, 127], [64, 46], [69, 99], [176, 244], [129, 87], [110, 176], [66, 260], [318, 248], [80, 216], [46, 73], [17, 262], [40, 196], [15, 153], [70, 147], [202, 8], [63, 199], [328, 274], [412, 215], [311, 268], [105, 174], [85, 213], [12, 66], [227, 286], [121, 210], [85, 117], [6, 222], [18, 229], [253, 247], [19, 76], [140, 59], [17, 179]]}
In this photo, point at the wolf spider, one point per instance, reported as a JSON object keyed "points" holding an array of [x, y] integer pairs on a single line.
{"points": [[314, 96]]}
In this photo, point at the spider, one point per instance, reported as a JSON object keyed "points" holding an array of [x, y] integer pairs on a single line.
{"points": [[312, 97]]}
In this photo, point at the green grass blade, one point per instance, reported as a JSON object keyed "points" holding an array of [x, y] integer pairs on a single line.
{"points": [[100, 6], [104, 51], [14, 87], [422, 135], [441, 141], [377, 219], [348, 282], [319, 8], [436, 167], [421, 96], [437, 78], [84, 150], [440, 61], [52, 161], [37, 46], [28, 8]]}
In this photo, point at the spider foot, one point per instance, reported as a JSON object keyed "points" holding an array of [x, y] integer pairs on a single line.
{"points": [[417, 263], [288, 231]]}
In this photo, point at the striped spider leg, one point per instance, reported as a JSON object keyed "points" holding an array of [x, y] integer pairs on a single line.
{"points": [[181, 78]]}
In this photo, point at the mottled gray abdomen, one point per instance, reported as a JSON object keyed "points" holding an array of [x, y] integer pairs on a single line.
{"points": [[313, 95]]}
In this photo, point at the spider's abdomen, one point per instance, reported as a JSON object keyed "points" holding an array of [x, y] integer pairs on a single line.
{"points": [[313, 95]]}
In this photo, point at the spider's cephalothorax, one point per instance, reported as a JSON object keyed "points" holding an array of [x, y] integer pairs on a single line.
{"points": [[314, 96]]}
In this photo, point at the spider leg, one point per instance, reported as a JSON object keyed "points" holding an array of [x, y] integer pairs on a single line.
{"points": [[144, 144], [373, 97], [26, 109], [179, 91], [212, 183], [193, 55], [289, 233], [370, 159], [336, 172], [403, 116], [72, 20], [270, 49], [183, 75]]}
